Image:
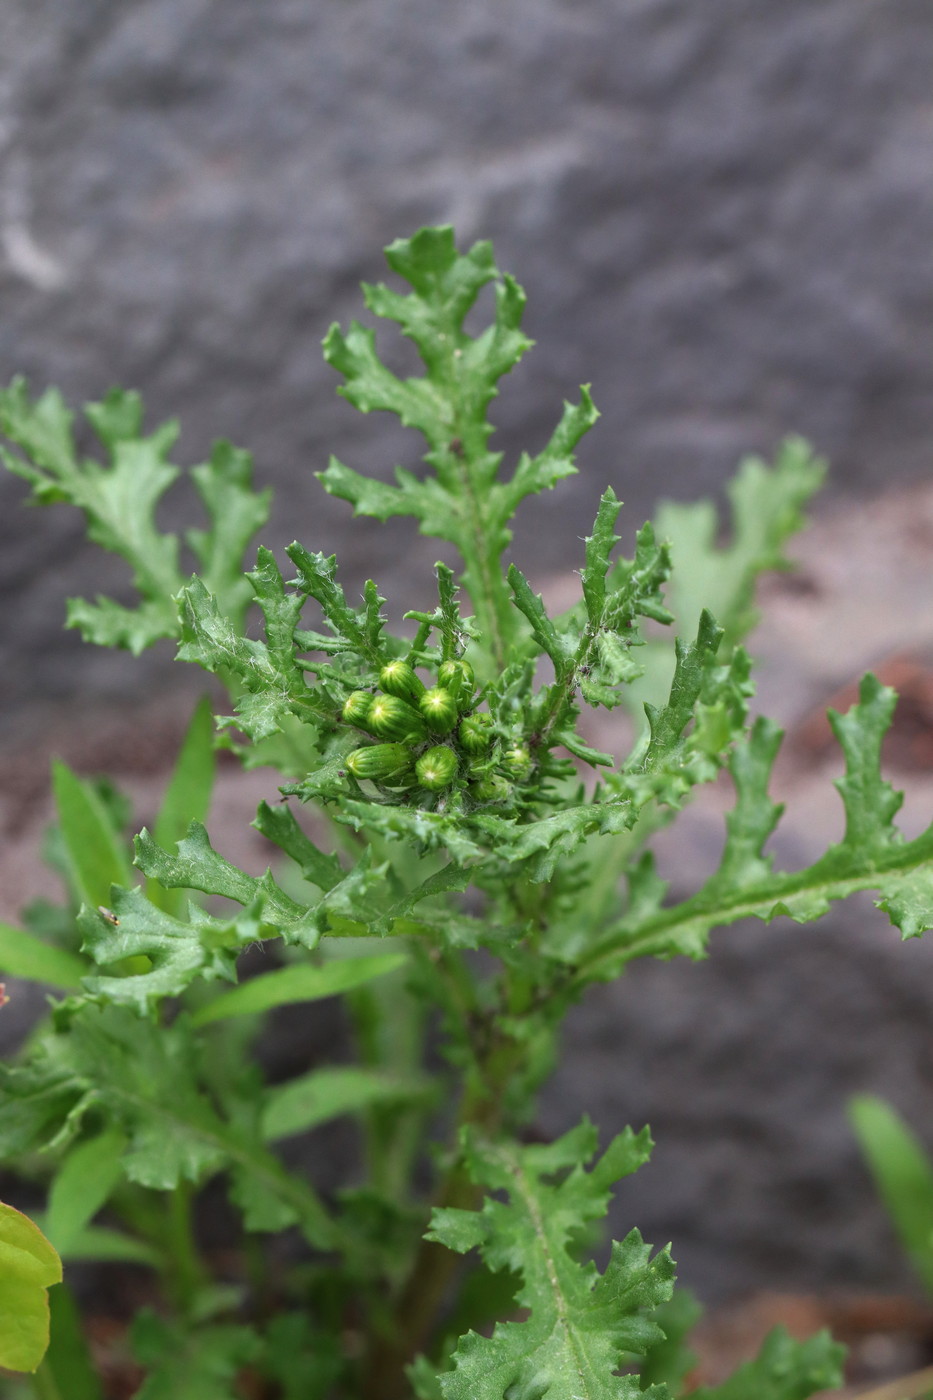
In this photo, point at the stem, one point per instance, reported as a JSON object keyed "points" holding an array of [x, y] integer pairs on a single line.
{"points": [[185, 1275], [44, 1384], [424, 1294]]}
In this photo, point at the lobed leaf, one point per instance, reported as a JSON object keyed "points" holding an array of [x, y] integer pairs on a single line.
{"points": [[581, 1325]]}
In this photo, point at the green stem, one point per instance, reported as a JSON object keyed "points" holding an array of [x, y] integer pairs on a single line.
{"points": [[185, 1274], [44, 1384], [424, 1294]]}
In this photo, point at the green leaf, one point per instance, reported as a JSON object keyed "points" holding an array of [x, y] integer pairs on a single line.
{"points": [[872, 856], [903, 1175], [145, 1080], [581, 1325], [69, 1358], [191, 1365], [236, 511], [359, 630], [280, 825], [785, 1369], [324, 1094], [556, 462], [461, 498], [197, 866], [99, 1244], [766, 512], [188, 794], [270, 686], [120, 500], [28, 1267], [178, 952], [298, 983], [82, 1185], [24, 955], [96, 856]]}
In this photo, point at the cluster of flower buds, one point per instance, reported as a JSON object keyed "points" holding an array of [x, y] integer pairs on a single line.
{"points": [[430, 736]]}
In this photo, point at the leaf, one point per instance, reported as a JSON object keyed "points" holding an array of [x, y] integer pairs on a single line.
{"points": [[236, 511], [28, 1267], [359, 630], [178, 952], [785, 1369], [271, 687], [581, 1325], [766, 507], [188, 794], [81, 1186], [24, 955], [324, 1094], [201, 1364], [872, 856], [144, 1079], [298, 983], [99, 1244], [68, 1359], [280, 825], [460, 498], [556, 462], [96, 857], [545, 634], [197, 866], [903, 1175], [120, 500]]}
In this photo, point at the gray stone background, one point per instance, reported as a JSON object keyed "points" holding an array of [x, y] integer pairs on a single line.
{"points": [[721, 212]]}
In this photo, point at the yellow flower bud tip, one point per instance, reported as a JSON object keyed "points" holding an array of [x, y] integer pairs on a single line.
{"points": [[458, 678], [494, 789], [437, 767], [356, 708], [393, 718], [397, 678], [439, 709], [379, 762], [475, 733], [517, 760]]}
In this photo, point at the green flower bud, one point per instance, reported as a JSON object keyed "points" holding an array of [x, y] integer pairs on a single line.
{"points": [[518, 761], [397, 678], [392, 718], [437, 767], [494, 789], [474, 733], [356, 708], [458, 678], [439, 709], [379, 762]]}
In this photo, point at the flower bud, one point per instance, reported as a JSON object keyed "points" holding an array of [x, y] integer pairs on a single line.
{"points": [[458, 678], [437, 767], [518, 761], [379, 762], [392, 718], [397, 678], [493, 789], [439, 709], [356, 708], [474, 733]]}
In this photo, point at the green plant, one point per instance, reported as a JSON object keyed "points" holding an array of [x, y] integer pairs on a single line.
{"points": [[903, 1175], [452, 815]]}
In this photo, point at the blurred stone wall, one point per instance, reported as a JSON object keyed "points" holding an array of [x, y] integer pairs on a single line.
{"points": [[722, 213]]}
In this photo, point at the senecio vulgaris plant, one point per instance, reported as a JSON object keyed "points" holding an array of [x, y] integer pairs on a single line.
{"points": [[463, 883]]}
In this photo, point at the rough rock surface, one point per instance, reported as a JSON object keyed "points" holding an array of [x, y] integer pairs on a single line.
{"points": [[722, 215], [721, 212]]}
